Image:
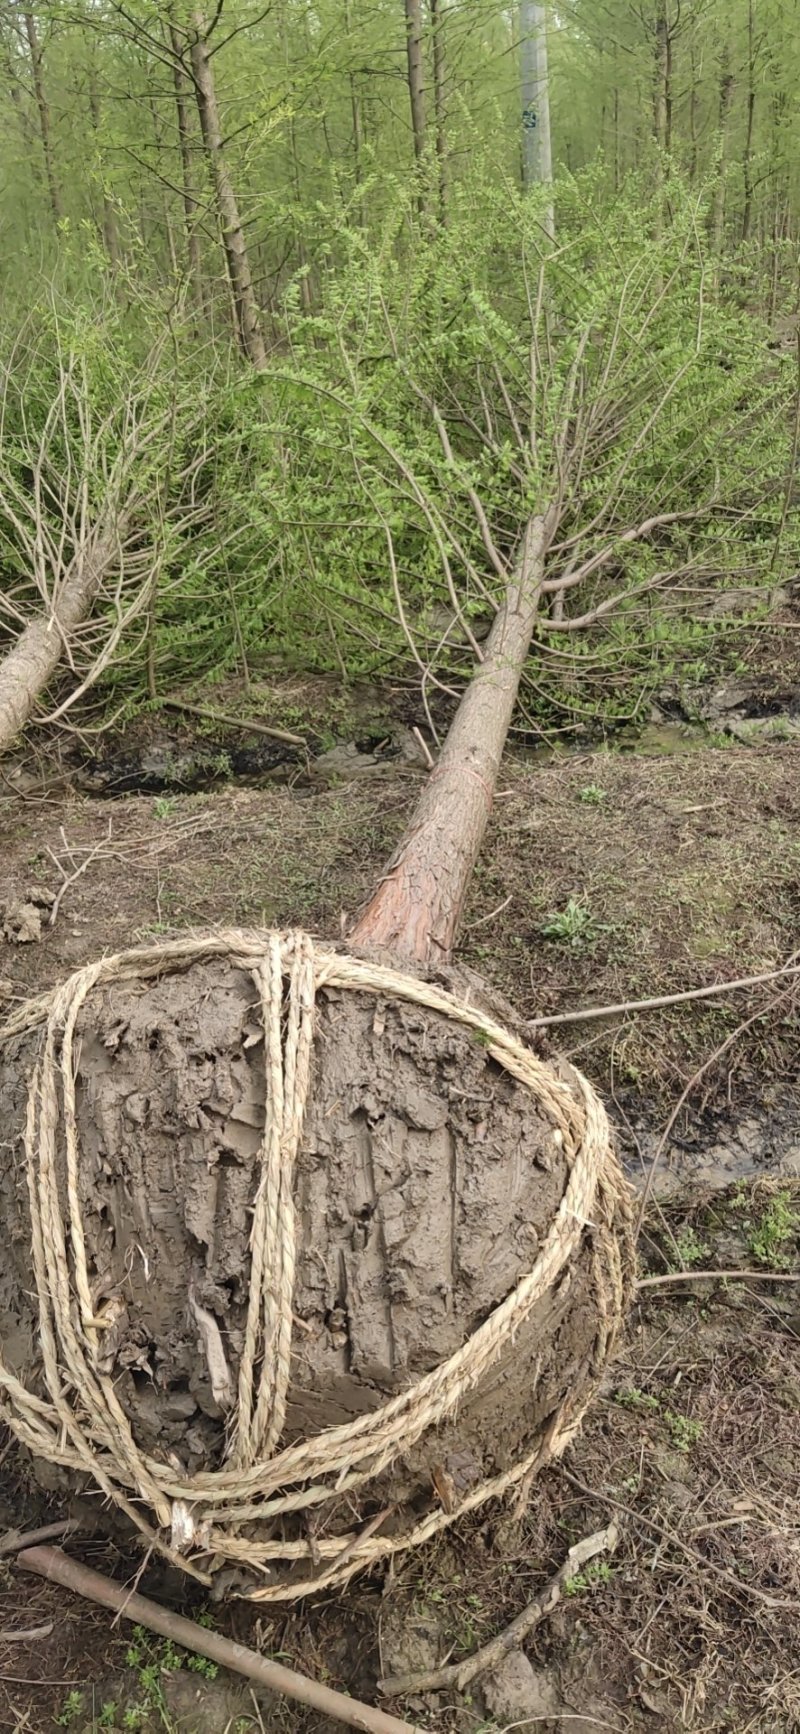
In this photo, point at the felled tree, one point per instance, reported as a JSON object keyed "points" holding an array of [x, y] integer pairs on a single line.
{"points": [[98, 448], [309, 1286], [445, 401]]}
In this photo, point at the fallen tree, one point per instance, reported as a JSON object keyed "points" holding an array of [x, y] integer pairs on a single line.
{"points": [[324, 1255], [314, 1324], [95, 484]]}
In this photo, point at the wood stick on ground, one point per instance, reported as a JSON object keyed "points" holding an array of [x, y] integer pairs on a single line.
{"points": [[13, 1541], [56, 1567], [634, 1005], [718, 1276], [488, 1657], [27, 1634], [234, 722]]}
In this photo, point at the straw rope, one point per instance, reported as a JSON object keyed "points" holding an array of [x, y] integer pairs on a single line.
{"points": [[197, 1520]]}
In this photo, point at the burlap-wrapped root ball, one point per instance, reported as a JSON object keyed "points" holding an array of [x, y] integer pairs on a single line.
{"points": [[322, 1255]]}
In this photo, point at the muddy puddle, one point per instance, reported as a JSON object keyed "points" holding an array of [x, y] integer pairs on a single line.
{"points": [[181, 764], [712, 1153], [656, 739]]}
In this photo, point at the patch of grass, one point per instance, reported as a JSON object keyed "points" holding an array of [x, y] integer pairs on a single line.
{"points": [[630, 1397], [778, 1226], [598, 1572], [164, 806], [690, 1250], [684, 1433], [574, 925], [71, 1709], [202, 1665], [592, 795], [151, 1661]]}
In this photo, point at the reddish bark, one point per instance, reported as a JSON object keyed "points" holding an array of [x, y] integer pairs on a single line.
{"points": [[415, 911]]}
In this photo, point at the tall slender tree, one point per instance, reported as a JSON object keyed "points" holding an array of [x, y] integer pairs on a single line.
{"points": [[248, 320], [440, 100], [191, 204], [537, 159], [716, 220], [43, 107], [416, 75]]}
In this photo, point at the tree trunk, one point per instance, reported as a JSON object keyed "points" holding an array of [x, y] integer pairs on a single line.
{"points": [[419, 1214], [294, 161], [661, 76], [537, 160], [668, 94], [248, 323], [692, 118], [440, 101], [747, 161], [26, 670], [616, 139], [716, 221], [191, 206], [416, 80], [44, 117], [414, 913], [110, 239], [355, 111]]}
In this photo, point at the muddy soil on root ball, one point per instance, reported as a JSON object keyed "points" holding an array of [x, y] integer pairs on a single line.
{"points": [[426, 1181]]}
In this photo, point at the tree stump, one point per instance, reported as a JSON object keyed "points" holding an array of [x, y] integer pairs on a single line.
{"points": [[425, 1186]]}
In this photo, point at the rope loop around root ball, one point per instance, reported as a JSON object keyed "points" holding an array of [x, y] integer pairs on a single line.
{"points": [[205, 1520]]}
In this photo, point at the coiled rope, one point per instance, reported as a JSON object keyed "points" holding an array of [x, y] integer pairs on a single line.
{"points": [[204, 1520]]}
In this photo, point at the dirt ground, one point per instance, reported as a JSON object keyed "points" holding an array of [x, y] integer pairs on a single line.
{"points": [[694, 1448]]}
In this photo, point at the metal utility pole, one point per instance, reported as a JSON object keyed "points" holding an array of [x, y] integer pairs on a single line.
{"points": [[537, 159]]}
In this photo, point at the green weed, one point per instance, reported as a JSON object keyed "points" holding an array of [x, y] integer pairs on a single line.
{"points": [[683, 1432], [689, 1249], [630, 1397], [152, 1661], [593, 795], [779, 1224], [574, 925], [71, 1709], [598, 1572]]}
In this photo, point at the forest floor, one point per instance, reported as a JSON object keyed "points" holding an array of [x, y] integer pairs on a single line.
{"points": [[606, 877]]}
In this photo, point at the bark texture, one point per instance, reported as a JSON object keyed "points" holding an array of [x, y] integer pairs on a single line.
{"points": [[747, 158], [416, 909], [34, 658], [662, 79], [248, 323], [426, 1181], [110, 238]]}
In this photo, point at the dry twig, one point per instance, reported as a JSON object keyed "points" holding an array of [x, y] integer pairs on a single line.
{"points": [[489, 1656], [234, 722], [635, 1005]]}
